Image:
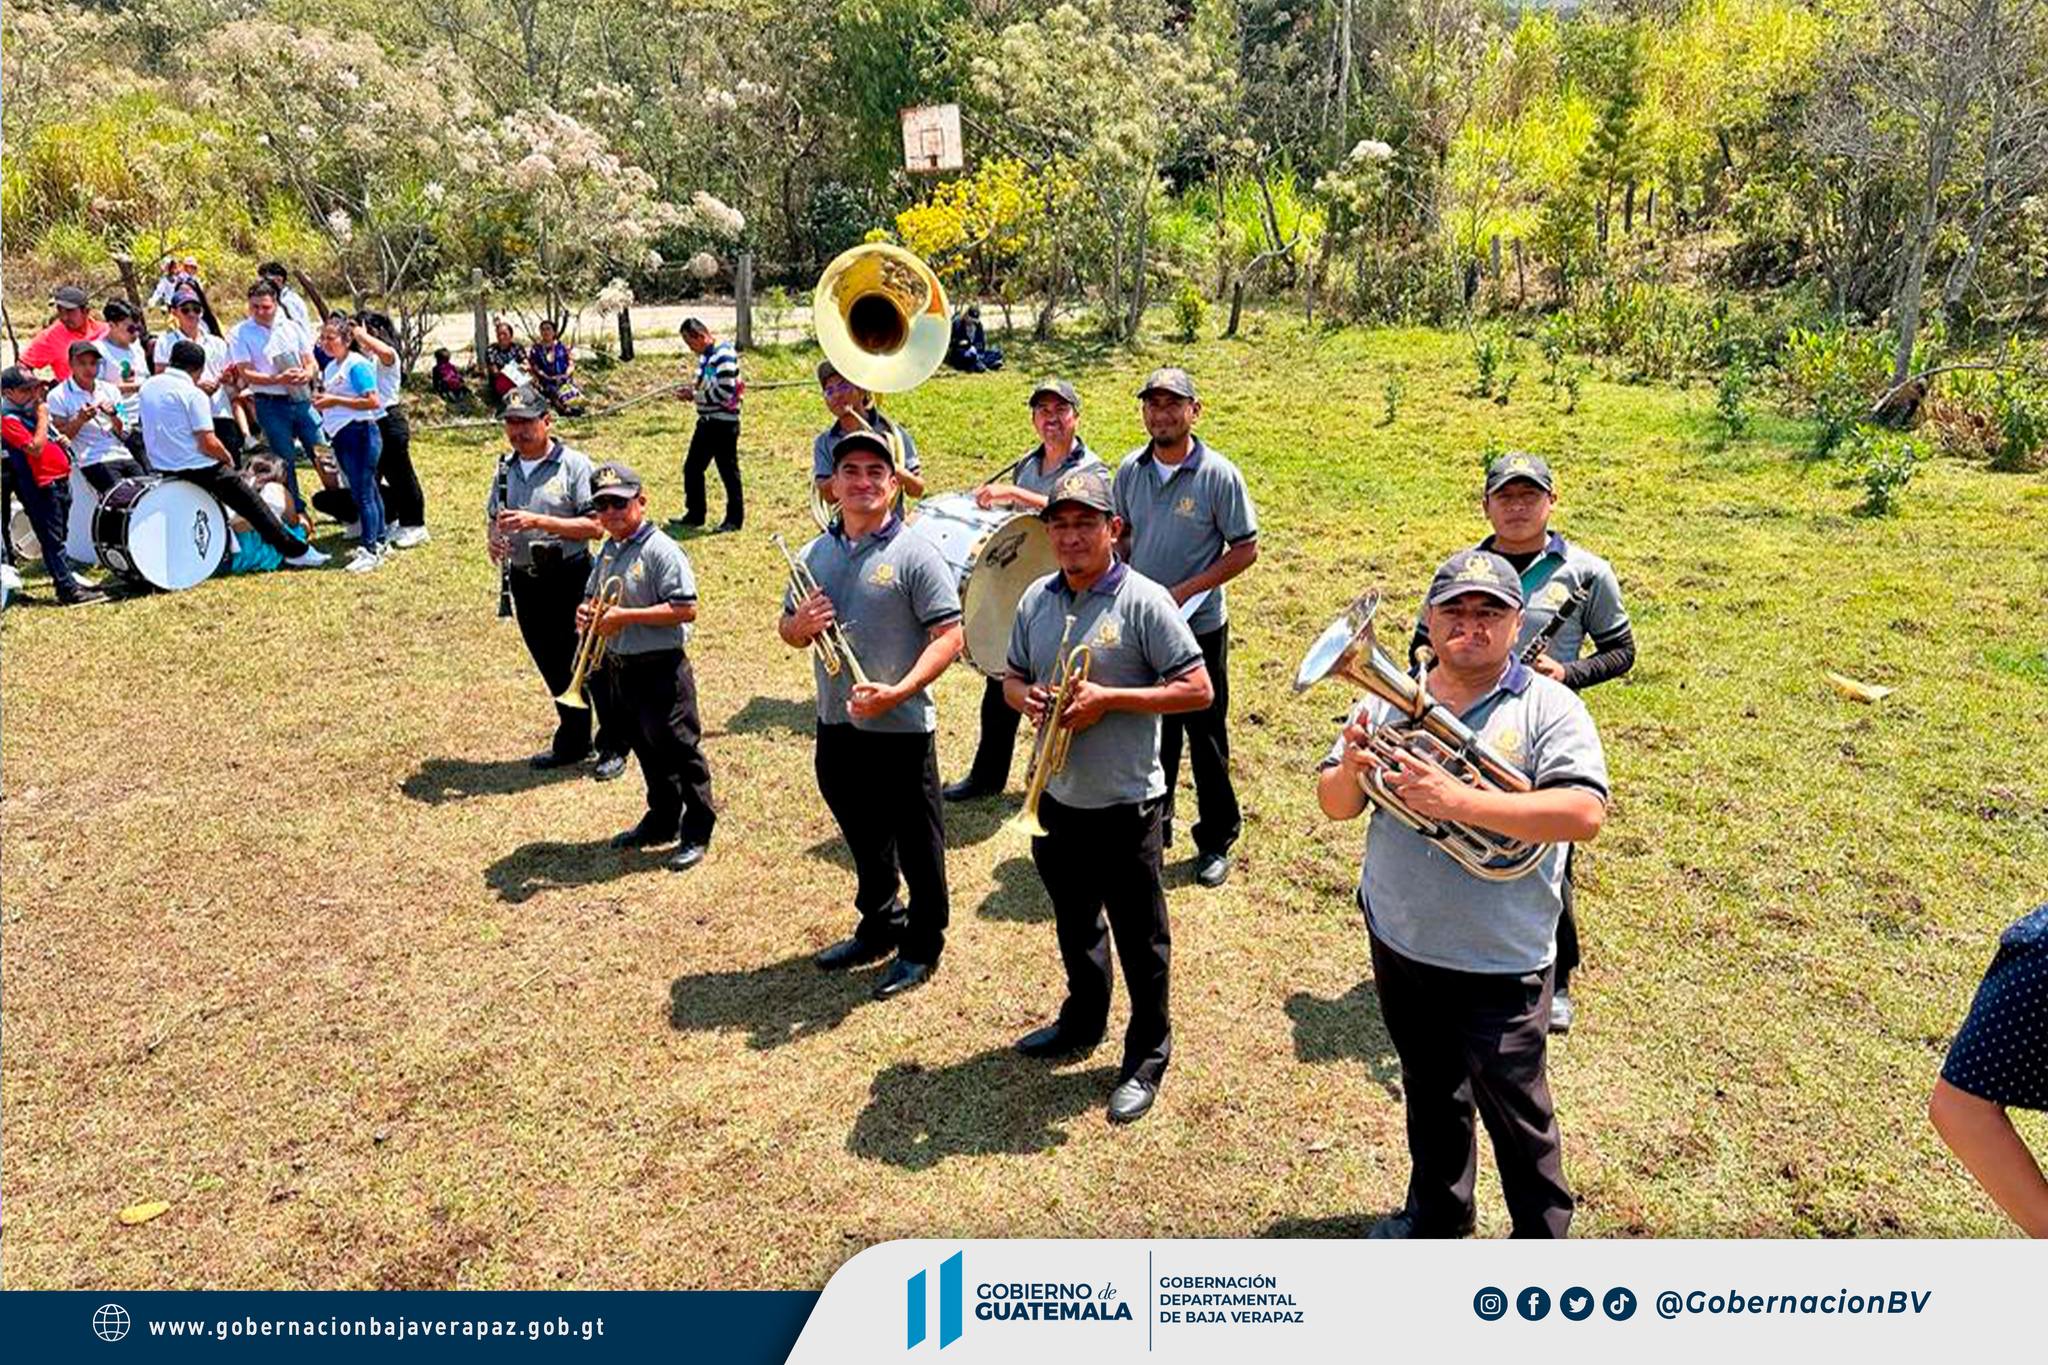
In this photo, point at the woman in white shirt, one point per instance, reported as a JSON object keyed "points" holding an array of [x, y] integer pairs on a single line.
{"points": [[405, 504], [348, 408]]}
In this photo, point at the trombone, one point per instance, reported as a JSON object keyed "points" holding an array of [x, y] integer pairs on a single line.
{"points": [[591, 647], [829, 644], [1049, 752]]}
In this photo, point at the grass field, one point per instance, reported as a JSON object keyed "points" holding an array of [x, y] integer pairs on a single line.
{"points": [[294, 941]]}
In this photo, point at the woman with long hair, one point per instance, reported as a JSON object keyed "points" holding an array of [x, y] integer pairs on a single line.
{"points": [[405, 503], [348, 408]]}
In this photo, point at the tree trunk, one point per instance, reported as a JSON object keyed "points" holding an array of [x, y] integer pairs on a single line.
{"points": [[1628, 209], [1236, 307]]}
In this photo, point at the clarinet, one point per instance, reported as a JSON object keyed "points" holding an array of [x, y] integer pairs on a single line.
{"points": [[1565, 611], [504, 569]]}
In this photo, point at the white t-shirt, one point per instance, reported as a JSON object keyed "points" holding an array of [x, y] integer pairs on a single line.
{"points": [[216, 363], [353, 376], [123, 365], [387, 385], [268, 350], [293, 306], [95, 442], [174, 411]]}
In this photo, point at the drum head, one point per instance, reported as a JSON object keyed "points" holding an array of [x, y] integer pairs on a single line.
{"points": [[1010, 561], [168, 533]]}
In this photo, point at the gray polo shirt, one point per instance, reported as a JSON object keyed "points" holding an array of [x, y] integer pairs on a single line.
{"points": [[1183, 524], [559, 486], [654, 571], [1135, 638], [821, 446], [1030, 474], [1562, 568], [890, 591], [1421, 902]]}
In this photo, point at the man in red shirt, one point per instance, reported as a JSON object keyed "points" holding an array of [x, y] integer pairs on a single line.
{"points": [[51, 348], [41, 474]]}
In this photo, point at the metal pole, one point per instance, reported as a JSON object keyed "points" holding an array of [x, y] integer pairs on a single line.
{"points": [[743, 301]]}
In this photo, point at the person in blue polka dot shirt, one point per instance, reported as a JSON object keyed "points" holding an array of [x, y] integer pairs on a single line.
{"points": [[1999, 1061]]}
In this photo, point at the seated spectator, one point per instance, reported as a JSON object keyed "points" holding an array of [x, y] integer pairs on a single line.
{"points": [[124, 364], [41, 475], [1999, 1061], [969, 349], [188, 315], [86, 411], [248, 551], [50, 349], [504, 364], [554, 372], [180, 275], [447, 380]]}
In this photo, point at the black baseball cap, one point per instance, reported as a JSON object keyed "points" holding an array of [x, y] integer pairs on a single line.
{"points": [[524, 405], [15, 377], [69, 296], [1058, 388], [1169, 379], [614, 479], [1518, 464], [1480, 571], [848, 442], [1088, 487], [79, 348]]}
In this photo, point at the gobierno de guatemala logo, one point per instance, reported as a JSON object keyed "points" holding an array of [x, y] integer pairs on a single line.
{"points": [[1026, 1301]]}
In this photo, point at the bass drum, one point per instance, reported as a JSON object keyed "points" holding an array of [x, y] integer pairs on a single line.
{"points": [[995, 553], [160, 533]]}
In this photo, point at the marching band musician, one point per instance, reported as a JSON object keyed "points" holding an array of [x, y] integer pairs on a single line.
{"points": [[877, 750], [1189, 526], [853, 409], [540, 524], [1102, 809], [650, 685], [1462, 965], [1055, 415], [1519, 497]]}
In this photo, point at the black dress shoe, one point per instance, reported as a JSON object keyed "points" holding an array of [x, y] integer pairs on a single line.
{"points": [[640, 836], [903, 976], [852, 952], [1054, 1041], [548, 758], [1132, 1100], [1211, 869], [685, 858], [967, 789], [724, 526], [609, 766]]}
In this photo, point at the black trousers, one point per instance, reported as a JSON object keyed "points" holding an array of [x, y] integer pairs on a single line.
{"points": [[405, 504], [1471, 1040], [718, 442], [1093, 861], [998, 739], [654, 700], [107, 473], [545, 602], [1567, 929], [49, 512], [239, 498], [883, 789], [1217, 819], [230, 433]]}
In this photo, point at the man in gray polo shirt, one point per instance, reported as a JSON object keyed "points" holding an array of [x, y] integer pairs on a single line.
{"points": [[650, 684], [1055, 416], [1573, 596], [1461, 964], [1190, 527], [853, 409], [540, 524], [1102, 809], [877, 756]]}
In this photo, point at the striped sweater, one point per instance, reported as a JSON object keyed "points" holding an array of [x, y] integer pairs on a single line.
{"points": [[718, 383]]}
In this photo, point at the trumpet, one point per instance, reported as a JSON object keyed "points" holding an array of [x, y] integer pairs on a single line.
{"points": [[1424, 733], [830, 644], [591, 647], [1049, 752]]}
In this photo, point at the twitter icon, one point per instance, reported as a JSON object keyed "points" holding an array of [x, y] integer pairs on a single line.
{"points": [[1575, 1303]]}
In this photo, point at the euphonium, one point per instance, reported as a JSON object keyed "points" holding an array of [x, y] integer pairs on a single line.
{"points": [[591, 646], [1049, 751], [830, 643], [1425, 732]]}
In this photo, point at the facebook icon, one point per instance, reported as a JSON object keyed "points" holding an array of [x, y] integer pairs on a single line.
{"points": [[949, 1304], [1532, 1303]]}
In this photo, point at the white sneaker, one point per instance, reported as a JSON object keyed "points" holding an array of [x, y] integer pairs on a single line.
{"points": [[309, 558], [363, 560], [406, 537]]}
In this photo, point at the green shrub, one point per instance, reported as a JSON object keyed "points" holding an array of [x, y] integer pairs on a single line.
{"points": [[1835, 374], [1190, 311], [1884, 462], [2019, 410], [1731, 399], [1392, 392]]}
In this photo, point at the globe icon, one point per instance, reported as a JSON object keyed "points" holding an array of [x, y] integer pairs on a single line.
{"points": [[110, 1322]]}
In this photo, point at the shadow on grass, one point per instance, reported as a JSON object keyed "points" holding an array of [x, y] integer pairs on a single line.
{"points": [[764, 714], [997, 1102], [973, 822], [1350, 1225], [1346, 1029], [441, 780], [1019, 897], [832, 850], [546, 865], [783, 1002]]}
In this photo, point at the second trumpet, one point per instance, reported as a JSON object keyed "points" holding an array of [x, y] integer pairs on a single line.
{"points": [[831, 645], [592, 645]]}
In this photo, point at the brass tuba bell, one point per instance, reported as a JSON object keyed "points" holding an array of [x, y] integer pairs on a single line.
{"points": [[881, 317]]}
